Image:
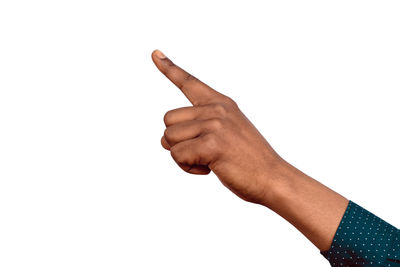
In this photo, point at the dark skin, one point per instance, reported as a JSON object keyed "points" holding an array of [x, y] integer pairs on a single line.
{"points": [[214, 135]]}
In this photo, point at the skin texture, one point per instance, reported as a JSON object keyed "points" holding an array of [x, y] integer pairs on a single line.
{"points": [[214, 135]]}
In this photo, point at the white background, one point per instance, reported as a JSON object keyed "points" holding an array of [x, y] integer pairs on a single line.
{"points": [[84, 180]]}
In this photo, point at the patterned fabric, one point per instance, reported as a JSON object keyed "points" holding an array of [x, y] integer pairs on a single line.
{"points": [[363, 239]]}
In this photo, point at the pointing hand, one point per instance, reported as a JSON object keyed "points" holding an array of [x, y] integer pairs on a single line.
{"points": [[213, 134]]}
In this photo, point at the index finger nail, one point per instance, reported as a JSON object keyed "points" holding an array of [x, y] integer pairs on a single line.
{"points": [[159, 54]]}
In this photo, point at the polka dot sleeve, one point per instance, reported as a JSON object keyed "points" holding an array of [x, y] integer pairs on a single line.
{"points": [[363, 239]]}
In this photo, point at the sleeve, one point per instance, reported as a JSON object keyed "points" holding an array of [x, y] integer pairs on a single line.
{"points": [[363, 239]]}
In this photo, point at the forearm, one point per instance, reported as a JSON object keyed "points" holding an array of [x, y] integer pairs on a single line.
{"points": [[314, 209]]}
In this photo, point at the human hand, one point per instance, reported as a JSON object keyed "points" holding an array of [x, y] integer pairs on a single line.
{"points": [[214, 134]]}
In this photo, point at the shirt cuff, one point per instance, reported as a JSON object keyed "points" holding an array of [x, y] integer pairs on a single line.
{"points": [[363, 239]]}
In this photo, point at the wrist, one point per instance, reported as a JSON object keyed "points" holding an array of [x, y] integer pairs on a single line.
{"points": [[314, 209], [279, 183]]}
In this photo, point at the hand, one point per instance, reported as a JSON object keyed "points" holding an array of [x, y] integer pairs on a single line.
{"points": [[214, 134]]}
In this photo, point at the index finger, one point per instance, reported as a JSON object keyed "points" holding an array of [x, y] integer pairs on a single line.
{"points": [[197, 92]]}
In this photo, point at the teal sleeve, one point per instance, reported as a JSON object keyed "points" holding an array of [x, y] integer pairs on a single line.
{"points": [[363, 239]]}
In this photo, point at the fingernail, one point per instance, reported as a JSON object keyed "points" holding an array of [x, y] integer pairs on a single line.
{"points": [[160, 54]]}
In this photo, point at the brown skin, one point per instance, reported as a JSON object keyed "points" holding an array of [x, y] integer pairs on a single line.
{"points": [[214, 135]]}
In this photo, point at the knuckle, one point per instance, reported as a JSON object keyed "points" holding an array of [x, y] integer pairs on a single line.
{"points": [[169, 66], [220, 109], [229, 101], [167, 134], [216, 123], [186, 81], [210, 142], [174, 153], [177, 154], [163, 142], [167, 117]]}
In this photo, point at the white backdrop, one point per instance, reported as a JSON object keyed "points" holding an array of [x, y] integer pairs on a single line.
{"points": [[84, 180]]}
